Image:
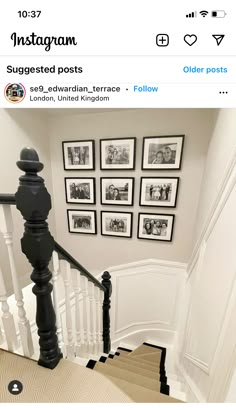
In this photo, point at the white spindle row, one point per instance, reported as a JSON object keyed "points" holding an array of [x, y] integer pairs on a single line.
{"points": [[82, 327], [6, 228], [7, 318], [79, 331]]}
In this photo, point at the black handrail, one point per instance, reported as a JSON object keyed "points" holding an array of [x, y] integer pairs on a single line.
{"points": [[65, 255], [7, 199]]}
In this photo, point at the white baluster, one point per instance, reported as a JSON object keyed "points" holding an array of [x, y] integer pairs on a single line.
{"points": [[85, 312], [92, 318], [6, 227], [55, 276], [65, 270], [75, 274], [97, 324], [7, 318], [101, 299], [1, 336]]}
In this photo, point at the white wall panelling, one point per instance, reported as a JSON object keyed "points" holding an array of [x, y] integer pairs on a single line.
{"points": [[208, 351], [139, 303]]}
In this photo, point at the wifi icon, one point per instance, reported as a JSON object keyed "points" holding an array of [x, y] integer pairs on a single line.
{"points": [[204, 13]]}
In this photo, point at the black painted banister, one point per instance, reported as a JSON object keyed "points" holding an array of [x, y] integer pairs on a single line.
{"points": [[34, 203], [73, 262], [7, 199], [106, 314]]}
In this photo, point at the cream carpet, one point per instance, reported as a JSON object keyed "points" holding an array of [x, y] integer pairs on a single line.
{"points": [[137, 373], [67, 383]]}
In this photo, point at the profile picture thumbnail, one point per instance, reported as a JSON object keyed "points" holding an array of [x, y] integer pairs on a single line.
{"points": [[15, 93]]}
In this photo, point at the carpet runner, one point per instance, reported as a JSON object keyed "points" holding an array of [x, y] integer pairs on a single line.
{"points": [[140, 373]]}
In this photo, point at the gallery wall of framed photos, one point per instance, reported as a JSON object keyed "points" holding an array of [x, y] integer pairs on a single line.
{"points": [[159, 154], [106, 250]]}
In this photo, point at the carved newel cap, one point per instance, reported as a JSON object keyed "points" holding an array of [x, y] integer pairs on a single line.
{"points": [[29, 161], [106, 276], [107, 283]]}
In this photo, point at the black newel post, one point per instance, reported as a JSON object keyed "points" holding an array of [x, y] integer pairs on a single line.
{"points": [[106, 315], [34, 203]]}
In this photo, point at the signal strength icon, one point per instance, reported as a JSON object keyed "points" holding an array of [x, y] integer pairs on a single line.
{"points": [[204, 13], [191, 15]]}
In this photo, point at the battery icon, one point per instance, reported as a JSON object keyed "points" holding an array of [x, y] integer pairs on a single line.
{"points": [[218, 13]]}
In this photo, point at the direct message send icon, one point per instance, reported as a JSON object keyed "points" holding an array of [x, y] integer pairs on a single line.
{"points": [[218, 38]]}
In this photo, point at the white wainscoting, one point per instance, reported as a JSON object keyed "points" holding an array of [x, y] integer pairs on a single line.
{"points": [[209, 348], [145, 301]]}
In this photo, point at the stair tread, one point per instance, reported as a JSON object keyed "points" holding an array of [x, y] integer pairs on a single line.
{"points": [[143, 349], [128, 376], [141, 394], [150, 357], [134, 369], [140, 364], [138, 359], [122, 352]]}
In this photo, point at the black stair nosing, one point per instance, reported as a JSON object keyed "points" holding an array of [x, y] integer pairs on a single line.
{"points": [[163, 378], [165, 389], [111, 356], [91, 364], [155, 346], [102, 359], [117, 354], [124, 348]]}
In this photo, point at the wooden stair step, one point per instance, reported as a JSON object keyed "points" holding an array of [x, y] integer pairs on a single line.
{"points": [[131, 377], [140, 394], [133, 368]]}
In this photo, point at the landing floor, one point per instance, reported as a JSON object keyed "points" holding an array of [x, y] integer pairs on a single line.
{"points": [[67, 383]]}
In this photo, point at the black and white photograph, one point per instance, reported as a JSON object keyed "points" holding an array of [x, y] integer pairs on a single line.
{"points": [[118, 153], [158, 191], [117, 191], [155, 226], [82, 221], [80, 190], [162, 152], [78, 155], [116, 224]]}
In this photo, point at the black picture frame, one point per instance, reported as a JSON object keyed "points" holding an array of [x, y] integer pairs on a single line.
{"points": [[84, 213], [163, 147], [116, 216], [159, 196], [109, 143], [116, 181], [89, 145], [81, 181], [149, 235]]}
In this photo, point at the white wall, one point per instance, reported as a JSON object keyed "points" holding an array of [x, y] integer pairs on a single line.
{"points": [[97, 252], [20, 128], [208, 350]]}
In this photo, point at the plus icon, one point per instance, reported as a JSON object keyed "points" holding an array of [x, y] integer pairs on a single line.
{"points": [[162, 40]]}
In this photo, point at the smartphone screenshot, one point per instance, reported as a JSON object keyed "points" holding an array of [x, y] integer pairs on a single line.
{"points": [[117, 203]]}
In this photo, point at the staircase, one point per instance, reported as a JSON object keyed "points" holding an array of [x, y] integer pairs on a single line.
{"points": [[74, 332], [140, 373]]}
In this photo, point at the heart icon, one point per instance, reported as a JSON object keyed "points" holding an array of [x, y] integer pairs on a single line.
{"points": [[190, 39]]}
